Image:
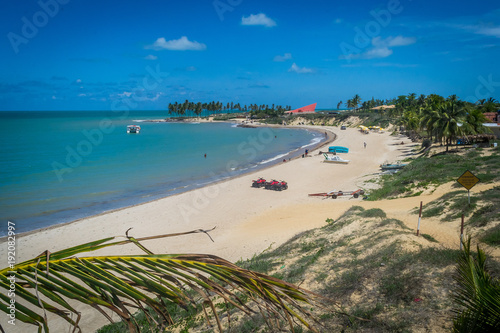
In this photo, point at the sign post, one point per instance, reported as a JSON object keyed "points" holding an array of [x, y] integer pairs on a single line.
{"points": [[462, 232], [468, 180], [419, 217]]}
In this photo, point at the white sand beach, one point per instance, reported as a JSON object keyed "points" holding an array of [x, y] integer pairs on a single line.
{"points": [[247, 220]]}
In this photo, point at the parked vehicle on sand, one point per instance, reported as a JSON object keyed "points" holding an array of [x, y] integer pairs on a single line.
{"points": [[276, 185], [261, 182]]}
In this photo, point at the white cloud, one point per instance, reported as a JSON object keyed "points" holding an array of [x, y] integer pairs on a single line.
{"points": [[382, 48], [486, 30], [259, 19], [489, 31], [388, 64], [377, 52], [284, 57], [191, 69], [338, 21], [150, 57], [181, 44], [125, 94], [78, 81], [394, 41], [155, 98], [300, 70]]}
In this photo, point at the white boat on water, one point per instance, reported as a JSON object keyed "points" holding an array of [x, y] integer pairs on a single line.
{"points": [[133, 129], [335, 159]]}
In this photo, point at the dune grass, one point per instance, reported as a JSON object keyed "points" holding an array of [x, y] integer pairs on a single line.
{"points": [[439, 169]]}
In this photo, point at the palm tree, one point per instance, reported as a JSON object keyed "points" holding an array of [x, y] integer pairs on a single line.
{"points": [[474, 121], [125, 283], [198, 109], [429, 119], [356, 100], [477, 296], [421, 100], [339, 104], [410, 121], [450, 115], [348, 104], [412, 98]]}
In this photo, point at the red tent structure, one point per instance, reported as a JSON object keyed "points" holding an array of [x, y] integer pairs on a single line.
{"points": [[305, 109]]}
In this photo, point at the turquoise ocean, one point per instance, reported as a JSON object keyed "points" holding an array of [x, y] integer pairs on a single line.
{"points": [[57, 167]]}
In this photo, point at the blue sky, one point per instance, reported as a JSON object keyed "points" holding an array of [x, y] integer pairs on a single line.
{"points": [[104, 55]]}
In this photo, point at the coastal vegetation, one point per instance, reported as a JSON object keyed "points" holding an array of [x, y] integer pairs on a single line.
{"points": [[439, 169], [435, 118]]}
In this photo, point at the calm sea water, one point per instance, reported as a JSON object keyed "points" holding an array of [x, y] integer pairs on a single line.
{"points": [[60, 166]]}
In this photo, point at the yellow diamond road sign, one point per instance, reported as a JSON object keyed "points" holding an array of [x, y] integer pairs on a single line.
{"points": [[468, 180]]}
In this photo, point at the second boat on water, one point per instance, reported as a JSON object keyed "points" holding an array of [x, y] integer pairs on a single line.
{"points": [[133, 129]]}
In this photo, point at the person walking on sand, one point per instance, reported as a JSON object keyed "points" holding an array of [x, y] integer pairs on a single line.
{"points": [[364, 143]]}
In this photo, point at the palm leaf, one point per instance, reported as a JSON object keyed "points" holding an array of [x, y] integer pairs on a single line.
{"points": [[124, 284], [477, 297]]}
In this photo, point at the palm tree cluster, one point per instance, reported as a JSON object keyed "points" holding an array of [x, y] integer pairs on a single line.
{"points": [[265, 107], [264, 111], [443, 119], [488, 105], [198, 108], [353, 102]]}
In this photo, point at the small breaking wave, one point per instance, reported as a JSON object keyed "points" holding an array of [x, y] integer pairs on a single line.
{"points": [[273, 159], [313, 142]]}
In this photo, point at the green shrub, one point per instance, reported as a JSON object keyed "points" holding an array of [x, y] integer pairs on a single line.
{"points": [[426, 143], [373, 212]]}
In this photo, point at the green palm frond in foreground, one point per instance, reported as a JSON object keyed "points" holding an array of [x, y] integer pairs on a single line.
{"points": [[124, 284], [477, 297]]}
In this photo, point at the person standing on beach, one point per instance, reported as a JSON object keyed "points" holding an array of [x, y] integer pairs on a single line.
{"points": [[364, 143]]}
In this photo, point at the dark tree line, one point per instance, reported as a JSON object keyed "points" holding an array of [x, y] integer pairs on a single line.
{"points": [[198, 108]]}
